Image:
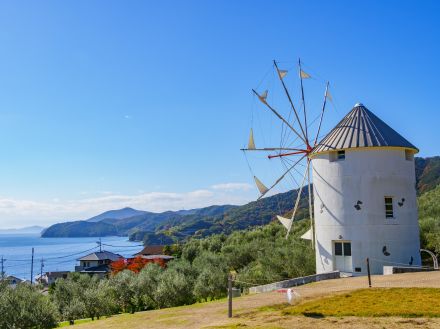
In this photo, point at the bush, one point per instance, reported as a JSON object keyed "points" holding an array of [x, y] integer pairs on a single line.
{"points": [[176, 285], [25, 307]]}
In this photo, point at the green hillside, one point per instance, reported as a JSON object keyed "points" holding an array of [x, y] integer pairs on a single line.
{"points": [[429, 215], [175, 226], [427, 173]]}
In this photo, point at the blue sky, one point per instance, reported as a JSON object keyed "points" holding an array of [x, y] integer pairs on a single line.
{"points": [[146, 103]]}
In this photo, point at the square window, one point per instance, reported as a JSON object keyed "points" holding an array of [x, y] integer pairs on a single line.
{"points": [[389, 211], [337, 155], [409, 155], [347, 249], [338, 248]]}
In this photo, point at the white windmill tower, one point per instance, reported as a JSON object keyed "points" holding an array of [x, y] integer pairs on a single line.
{"points": [[364, 196]]}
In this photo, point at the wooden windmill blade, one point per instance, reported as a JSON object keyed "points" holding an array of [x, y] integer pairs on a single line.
{"points": [[300, 128]]}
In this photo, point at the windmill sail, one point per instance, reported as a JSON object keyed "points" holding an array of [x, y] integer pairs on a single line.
{"points": [[308, 235], [304, 75], [251, 144], [282, 73], [328, 95], [261, 187], [263, 96], [285, 221]]}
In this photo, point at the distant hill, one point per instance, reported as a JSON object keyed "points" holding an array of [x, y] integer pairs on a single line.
{"points": [[170, 226], [25, 230], [117, 214], [124, 222], [255, 213], [427, 173]]}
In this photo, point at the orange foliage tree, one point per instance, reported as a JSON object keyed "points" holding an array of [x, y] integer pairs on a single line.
{"points": [[137, 264], [134, 264]]}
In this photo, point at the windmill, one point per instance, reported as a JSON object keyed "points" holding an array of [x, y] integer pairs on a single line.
{"points": [[300, 128], [363, 185]]}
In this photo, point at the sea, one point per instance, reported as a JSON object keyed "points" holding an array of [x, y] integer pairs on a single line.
{"points": [[54, 254]]}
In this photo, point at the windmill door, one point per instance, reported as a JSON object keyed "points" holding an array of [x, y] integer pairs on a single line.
{"points": [[342, 256]]}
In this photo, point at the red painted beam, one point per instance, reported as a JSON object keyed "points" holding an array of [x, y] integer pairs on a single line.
{"points": [[287, 154]]}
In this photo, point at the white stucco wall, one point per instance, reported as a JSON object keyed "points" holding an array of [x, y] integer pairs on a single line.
{"points": [[367, 175]]}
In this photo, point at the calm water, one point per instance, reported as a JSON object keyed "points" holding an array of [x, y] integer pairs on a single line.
{"points": [[58, 254]]}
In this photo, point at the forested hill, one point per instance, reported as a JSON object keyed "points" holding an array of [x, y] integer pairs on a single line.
{"points": [[427, 173], [168, 227]]}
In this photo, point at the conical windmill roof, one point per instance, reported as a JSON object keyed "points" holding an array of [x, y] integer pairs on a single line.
{"points": [[361, 128]]}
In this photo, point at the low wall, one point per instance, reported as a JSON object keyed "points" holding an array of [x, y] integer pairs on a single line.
{"points": [[294, 282], [388, 270]]}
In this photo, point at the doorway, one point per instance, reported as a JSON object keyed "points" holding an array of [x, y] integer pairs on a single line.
{"points": [[342, 254]]}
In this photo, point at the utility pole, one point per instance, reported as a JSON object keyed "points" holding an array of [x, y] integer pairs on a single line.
{"points": [[41, 271], [32, 267], [368, 270], [3, 267], [230, 295], [100, 244]]}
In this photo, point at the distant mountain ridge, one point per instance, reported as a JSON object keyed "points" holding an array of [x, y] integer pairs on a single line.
{"points": [[124, 222], [172, 226], [24, 230], [117, 214]]}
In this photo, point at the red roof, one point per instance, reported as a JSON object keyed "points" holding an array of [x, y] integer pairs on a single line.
{"points": [[151, 250]]}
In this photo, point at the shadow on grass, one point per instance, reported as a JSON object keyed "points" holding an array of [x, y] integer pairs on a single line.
{"points": [[314, 315]]}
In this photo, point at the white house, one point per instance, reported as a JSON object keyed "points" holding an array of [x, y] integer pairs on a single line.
{"points": [[51, 277], [364, 197], [97, 263]]}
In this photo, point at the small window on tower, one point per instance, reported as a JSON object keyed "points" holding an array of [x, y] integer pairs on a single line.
{"points": [[337, 156], [409, 155], [389, 212]]}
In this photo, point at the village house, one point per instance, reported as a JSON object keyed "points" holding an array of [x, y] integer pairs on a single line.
{"points": [[154, 254], [50, 277], [97, 263], [12, 280], [151, 250]]}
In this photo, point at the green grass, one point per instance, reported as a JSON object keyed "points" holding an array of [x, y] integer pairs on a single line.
{"points": [[373, 302], [242, 326], [66, 323]]}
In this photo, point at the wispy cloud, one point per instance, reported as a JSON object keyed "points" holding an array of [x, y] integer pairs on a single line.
{"points": [[232, 186], [16, 212]]}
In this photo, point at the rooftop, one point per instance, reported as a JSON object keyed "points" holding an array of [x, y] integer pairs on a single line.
{"points": [[101, 255], [361, 128], [151, 250]]}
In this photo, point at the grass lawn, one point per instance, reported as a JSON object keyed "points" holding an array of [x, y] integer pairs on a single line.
{"points": [[373, 302]]}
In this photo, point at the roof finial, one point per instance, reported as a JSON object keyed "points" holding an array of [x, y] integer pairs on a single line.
{"points": [[358, 105]]}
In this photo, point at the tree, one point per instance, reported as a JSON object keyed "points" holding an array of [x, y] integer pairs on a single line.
{"points": [[118, 266], [75, 309], [123, 290], [145, 286], [176, 285], [137, 264], [25, 307], [212, 280]]}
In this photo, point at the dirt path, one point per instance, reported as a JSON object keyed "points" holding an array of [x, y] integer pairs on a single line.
{"points": [[247, 313]]}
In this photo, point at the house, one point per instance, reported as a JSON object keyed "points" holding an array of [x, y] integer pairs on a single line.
{"points": [[12, 280], [365, 197], [151, 250], [50, 277], [97, 263]]}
